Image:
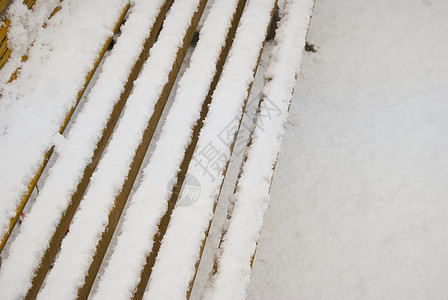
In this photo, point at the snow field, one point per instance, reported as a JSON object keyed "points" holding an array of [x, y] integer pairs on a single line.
{"points": [[75, 152], [79, 246], [252, 191], [32, 110], [188, 224], [149, 203], [358, 205]]}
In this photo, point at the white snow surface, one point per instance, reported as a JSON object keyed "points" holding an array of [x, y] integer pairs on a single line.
{"points": [[150, 201], [34, 106], [251, 197], [78, 247], [188, 224], [359, 204], [25, 26], [74, 153]]}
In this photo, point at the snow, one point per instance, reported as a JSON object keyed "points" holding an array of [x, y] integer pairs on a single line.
{"points": [[75, 152], [90, 221], [211, 251], [150, 201], [32, 109], [188, 224], [252, 191], [25, 26], [358, 205]]}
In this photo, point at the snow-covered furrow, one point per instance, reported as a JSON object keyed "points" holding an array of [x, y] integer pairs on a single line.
{"points": [[149, 203], [76, 151], [25, 27], [174, 269], [252, 191], [79, 248], [52, 80]]}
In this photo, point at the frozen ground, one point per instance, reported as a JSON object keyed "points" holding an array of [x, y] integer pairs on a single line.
{"points": [[359, 203]]}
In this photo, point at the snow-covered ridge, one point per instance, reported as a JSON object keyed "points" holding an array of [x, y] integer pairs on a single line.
{"points": [[36, 104], [75, 152], [79, 247], [150, 201], [252, 191], [188, 225]]}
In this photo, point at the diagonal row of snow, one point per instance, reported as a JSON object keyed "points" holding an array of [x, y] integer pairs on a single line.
{"points": [[79, 246], [75, 152], [252, 192], [150, 201], [181, 245], [34, 106]]}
